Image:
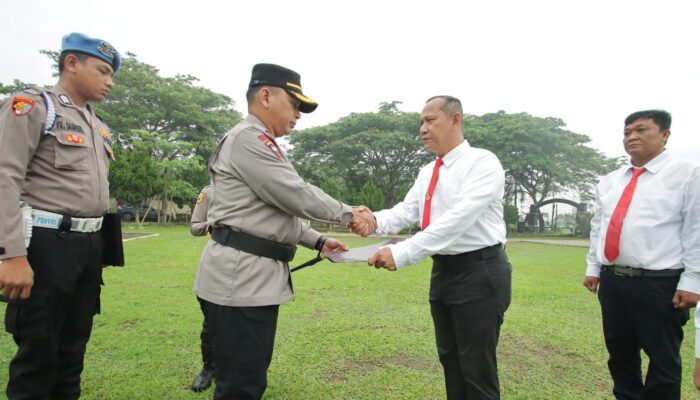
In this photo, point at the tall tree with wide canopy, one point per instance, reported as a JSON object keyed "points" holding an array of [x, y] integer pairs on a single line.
{"points": [[541, 158], [383, 147]]}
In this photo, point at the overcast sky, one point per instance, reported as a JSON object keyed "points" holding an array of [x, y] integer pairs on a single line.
{"points": [[589, 63]]}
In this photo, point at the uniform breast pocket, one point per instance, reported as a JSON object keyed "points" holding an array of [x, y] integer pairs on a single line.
{"points": [[71, 151]]}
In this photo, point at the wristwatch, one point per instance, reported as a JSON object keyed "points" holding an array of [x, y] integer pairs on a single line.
{"points": [[320, 242]]}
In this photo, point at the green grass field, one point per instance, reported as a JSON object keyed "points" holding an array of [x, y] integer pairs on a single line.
{"points": [[353, 332]]}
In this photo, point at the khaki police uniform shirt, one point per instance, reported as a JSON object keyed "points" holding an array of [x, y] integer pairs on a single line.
{"points": [[257, 191], [63, 170], [199, 224]]}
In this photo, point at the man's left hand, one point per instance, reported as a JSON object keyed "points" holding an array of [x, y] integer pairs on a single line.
{"points": [[684, 299], [383, 259], [334, 245]]}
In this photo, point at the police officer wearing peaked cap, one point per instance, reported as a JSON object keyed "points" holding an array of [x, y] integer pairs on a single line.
{"points": [[256, 209], [54, 158]]}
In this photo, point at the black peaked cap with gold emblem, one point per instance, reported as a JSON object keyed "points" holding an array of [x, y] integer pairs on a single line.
{"points": [[285, 78]]}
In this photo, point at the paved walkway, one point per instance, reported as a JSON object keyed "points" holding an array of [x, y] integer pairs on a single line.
{"points": [[555, 242], [131, 236]]}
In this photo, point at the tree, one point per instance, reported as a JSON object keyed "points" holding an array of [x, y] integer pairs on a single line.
{"points": [[133, 177], [371, 196], [15, 86], [540, 157], [381, 147], [181, 123], [510, 215]]}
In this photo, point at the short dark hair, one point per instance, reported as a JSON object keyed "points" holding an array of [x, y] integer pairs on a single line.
{"points": [[62, 59], [250, 94], [451, 105], [662, 118], [252, 91]]}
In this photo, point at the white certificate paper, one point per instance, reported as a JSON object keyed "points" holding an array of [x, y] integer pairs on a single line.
{"points": [[358, 254]]}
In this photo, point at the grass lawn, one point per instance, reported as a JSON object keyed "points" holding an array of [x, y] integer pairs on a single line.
{"points": [[353, 332]]}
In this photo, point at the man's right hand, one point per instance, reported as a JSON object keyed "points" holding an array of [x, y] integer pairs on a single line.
{"points": [[591, 283], [363, 222], [16, 278]]}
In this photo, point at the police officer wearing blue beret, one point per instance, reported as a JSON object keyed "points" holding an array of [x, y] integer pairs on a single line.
{"points": [[54, 161]]}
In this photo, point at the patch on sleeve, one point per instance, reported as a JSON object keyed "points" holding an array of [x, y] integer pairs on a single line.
{"points": [[271, 145], [22, 105], [201, 197], [106, 135]]}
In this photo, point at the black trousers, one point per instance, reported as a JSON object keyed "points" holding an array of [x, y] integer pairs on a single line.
{"points": [[52, 327], [205, 337], [243, 339], [469, 295], [638, 314]]}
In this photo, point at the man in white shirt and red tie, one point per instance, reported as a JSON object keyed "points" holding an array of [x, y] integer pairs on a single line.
{"points": [[457, 199], [645, 253]]}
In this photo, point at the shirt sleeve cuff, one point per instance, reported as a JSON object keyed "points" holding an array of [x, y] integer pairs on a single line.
{"points": [[688, 284], [381, 230], [14, 248], [345, 215], [593, 270], [400, 256]]}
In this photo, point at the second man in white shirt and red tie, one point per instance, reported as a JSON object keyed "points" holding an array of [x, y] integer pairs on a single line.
{"points": [[457, 200], [645, 254]]}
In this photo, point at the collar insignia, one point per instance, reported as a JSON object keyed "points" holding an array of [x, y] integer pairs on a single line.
{"points": [[65, 99]]}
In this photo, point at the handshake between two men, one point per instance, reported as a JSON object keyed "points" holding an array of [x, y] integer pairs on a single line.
{"points": [[364, 224]]}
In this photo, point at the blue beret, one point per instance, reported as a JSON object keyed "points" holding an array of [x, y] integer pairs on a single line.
{"points": [[98, 48]]}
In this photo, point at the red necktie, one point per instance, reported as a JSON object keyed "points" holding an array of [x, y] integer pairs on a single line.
{"points": [[429, 195], [612, 238]]}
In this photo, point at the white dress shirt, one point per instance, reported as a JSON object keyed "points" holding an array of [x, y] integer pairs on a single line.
{"points": [[662, 227], [466, 212]]}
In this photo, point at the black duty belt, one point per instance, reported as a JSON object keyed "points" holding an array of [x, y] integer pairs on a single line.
{"points": [[253, 244], [470, 256], [623, 270]]}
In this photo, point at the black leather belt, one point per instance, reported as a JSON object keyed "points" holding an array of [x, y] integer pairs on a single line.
{"points": [[470, 256], [253, 244], [623, 270]]}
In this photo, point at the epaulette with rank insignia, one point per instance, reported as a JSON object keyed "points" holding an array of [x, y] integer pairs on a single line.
{"points": [[33, 90]]}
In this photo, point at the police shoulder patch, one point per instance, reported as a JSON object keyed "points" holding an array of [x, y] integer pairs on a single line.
{"points": [[22, 105], [201, 197], [271, 145]]}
